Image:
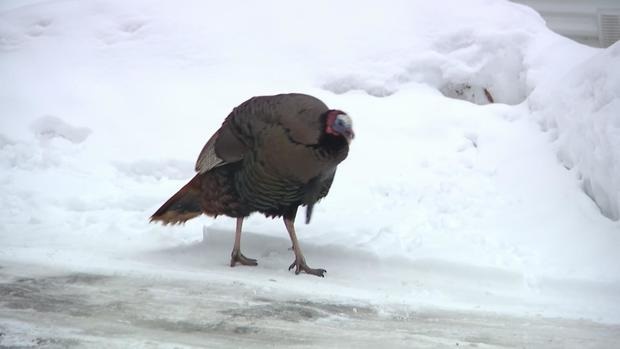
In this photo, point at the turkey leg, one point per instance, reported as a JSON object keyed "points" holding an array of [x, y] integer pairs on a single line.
{"points": [[236, 255], [300, 262]]}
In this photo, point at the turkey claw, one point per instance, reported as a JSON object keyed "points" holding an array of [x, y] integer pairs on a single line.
{"points": [[302, 266], [237, 257]]}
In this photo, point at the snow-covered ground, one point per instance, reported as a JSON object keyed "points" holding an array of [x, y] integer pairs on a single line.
{"points": [[448, 207]]}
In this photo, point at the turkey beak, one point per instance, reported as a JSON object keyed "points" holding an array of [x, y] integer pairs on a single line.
{"points": [[345, 130], [349, 134], [343, 125]]}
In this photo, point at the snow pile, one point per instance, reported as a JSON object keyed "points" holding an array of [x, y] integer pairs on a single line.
{"points": [[581, 112], [453, 51], [107, 104]]}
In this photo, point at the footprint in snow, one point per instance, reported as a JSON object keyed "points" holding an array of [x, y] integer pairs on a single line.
{"points": [[125, 30], [39, 27], [49, 127], [132, 26]]}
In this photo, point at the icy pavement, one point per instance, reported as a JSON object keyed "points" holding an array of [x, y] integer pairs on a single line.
{"points": [[190, 298], [90, 310]]}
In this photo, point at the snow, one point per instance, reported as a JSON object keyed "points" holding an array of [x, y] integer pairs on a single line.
{"points": [[508, 208], [581, 115]]}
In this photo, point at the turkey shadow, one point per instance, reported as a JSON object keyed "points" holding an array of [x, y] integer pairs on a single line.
{"points": [[214, 250]]}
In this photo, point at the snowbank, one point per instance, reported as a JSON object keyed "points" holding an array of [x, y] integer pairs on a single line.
{"points": [[581, 111]]}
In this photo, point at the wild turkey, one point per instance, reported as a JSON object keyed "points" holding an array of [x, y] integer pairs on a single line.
{"points": [[271, 155]]}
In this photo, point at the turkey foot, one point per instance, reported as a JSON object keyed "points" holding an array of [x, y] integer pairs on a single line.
{"points": [[300, 261], [301, 265], [237, 256]]}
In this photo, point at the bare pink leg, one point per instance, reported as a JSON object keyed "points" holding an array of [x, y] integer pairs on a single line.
{"points": [[236, 255], [300, 262]]}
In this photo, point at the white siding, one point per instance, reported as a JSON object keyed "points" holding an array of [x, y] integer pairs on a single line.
{"points": [[592, 22]]}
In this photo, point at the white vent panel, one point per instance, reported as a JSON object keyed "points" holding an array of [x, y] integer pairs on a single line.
{"points": [[608, 27]]}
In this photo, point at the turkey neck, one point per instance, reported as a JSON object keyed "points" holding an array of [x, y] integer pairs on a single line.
{"points": [[330, 147]]}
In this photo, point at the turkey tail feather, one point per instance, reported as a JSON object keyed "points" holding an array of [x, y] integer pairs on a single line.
{"points": [[182, 206]]}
